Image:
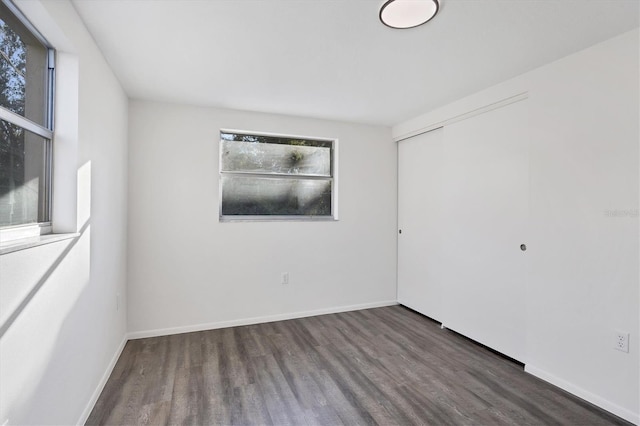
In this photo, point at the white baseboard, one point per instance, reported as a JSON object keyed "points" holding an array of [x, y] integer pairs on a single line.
{"points": [[255, 320], [102, 383], [628, 415]]}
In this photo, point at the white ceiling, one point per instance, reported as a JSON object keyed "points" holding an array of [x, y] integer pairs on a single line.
{"points": [[333, 58]]}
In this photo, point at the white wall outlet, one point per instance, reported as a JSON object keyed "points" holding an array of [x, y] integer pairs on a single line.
{"points": [[621, 342], [284, 280]]}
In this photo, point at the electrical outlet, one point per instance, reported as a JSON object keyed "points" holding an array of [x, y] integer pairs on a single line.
{"points": [[622, 341], [284, 278]]}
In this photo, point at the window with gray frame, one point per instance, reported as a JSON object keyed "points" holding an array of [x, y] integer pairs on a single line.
{"points": [[26, 121], [276, 177]]}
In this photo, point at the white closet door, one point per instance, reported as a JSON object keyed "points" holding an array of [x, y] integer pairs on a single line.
{"points": [[419, 220], [485, 215]]}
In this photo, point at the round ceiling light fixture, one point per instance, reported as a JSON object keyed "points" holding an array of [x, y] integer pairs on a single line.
{"points": [[408, 13]]}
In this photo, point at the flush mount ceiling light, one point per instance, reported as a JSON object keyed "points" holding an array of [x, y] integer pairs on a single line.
{"points": [[408, 13]]}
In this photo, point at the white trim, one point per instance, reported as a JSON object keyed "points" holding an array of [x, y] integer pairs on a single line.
{"points": [[481, 110], [29, 230], [22, 18], [276, 135], [256, 320], [619, 411], [103, 381], [25, 123], [36, 241], [290, 218], [334, 183]]}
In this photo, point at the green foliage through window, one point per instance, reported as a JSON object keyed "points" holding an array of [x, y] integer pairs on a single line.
{"points": [[25, 100]]}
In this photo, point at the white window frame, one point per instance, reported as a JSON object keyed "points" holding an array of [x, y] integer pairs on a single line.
{"points": [[278, 218], [17, 232]]}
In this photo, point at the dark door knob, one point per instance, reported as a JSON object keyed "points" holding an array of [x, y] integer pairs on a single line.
{"points": [[523, 247], [399, 231]]}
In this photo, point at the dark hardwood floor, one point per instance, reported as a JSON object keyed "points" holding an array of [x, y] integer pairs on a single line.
{"points": [[386, 366]]}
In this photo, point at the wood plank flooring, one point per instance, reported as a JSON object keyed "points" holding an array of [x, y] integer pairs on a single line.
{"points": [[386, 366]]}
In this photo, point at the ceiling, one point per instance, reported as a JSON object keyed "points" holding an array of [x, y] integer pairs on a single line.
{"points": [[333, 59]]}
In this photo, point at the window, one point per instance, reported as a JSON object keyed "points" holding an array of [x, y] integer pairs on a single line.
{"points": [[26, 121], [276, 177]]}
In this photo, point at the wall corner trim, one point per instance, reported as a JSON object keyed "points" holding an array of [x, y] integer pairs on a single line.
{"points": [[103, 381], [463, 116]]}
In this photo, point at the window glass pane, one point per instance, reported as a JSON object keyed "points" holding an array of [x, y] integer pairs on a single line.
{"points": [[23, 69], [268, 158], [272, 196], [282, 140], [23, 181]]}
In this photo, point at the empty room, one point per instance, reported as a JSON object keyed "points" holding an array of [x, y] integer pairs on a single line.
{"points": [[320, 212]]}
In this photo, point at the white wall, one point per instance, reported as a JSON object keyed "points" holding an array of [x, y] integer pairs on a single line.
{"points": [[188, 271], [583, 246], [54, 354]]}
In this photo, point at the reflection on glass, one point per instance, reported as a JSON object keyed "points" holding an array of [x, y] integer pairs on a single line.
{"points": [[275, 196], [23, 186], [23, 69], [281, 140], [275, 158]]}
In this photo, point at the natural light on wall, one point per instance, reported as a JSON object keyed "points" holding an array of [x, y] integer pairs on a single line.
{"points": [[408, 13]]}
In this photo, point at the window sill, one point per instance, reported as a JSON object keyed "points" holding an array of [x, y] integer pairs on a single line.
{"points": [[256, 218], [27, 243]]}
